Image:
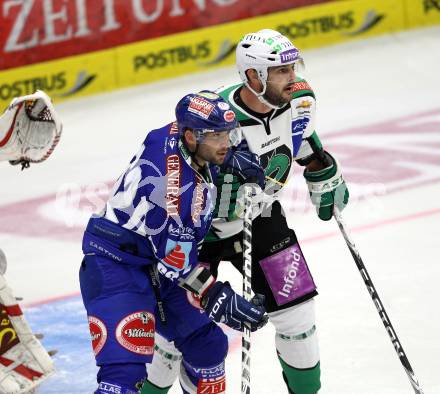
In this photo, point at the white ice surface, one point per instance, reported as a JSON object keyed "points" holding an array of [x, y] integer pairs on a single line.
{"points": [[357, 84]]}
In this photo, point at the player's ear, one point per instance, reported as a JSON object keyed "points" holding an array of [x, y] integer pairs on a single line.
{"points": [[190, 139], [253, 79], [251, 75]]}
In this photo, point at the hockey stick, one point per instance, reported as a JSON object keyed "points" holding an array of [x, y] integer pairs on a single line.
{"points": [[378, 303], [247, 269]]}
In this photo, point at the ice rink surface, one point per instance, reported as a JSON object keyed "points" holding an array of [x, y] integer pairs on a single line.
{"points": [[378, 112]]}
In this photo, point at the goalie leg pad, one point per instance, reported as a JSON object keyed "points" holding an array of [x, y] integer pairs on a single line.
{"points": [[24, 363]]}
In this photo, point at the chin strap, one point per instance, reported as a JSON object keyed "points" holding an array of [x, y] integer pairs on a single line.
{"points": [[260, 96]]}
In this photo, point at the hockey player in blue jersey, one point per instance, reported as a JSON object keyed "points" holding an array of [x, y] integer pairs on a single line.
{"points": [[141, 274], [275, 107]]}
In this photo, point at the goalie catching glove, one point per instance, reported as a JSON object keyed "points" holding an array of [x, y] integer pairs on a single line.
{"points": [[327, 189], [29, 130]]}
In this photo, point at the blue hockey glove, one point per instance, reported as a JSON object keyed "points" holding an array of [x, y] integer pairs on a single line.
{"points": [[223, 305], [327, 189], [245, 165]]}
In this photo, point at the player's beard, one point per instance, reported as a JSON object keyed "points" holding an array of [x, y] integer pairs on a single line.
{"points": [[275, 97], [212, 156], [218, 157]]}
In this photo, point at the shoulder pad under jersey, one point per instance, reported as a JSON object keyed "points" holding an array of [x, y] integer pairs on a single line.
{"points": [[227, 93]]}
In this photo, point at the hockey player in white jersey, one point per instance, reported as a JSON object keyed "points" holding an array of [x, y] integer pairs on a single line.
{"points": [[276, 111], [29, 130]]}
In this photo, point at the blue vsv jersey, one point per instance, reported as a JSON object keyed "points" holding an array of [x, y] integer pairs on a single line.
{"points": [[162, 203]]}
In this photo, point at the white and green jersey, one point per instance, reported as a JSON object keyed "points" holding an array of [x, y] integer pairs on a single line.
{"points": [[278, 137]]}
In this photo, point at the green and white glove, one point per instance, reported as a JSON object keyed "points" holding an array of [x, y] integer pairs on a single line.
{"points": [[327, 189]]}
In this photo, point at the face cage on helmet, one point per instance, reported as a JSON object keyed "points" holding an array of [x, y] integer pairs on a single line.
{"points": [[235, 134]]}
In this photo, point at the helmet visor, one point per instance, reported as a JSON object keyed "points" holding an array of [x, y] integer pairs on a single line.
{"points": [[234, 134]]}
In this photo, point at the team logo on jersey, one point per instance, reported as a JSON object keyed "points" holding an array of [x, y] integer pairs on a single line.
{"points": [[173, 184], [276, 164], [98, 333], [135, 332], [201, 107]]}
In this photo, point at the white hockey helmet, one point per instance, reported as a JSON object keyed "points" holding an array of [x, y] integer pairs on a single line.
{"points": [[261, 50]]}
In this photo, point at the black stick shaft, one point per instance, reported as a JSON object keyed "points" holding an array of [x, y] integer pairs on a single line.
{"points": [[379, 306], [247, 292]]}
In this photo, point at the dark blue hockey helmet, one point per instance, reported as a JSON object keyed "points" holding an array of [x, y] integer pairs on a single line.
{"points": [[205, 112]]}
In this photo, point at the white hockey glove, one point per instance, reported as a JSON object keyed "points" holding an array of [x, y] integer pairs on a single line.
{"points": [[29, 130], [24, 363]]}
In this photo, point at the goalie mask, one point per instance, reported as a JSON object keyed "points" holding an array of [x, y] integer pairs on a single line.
{"points": [[261, 50], [29, 130]]}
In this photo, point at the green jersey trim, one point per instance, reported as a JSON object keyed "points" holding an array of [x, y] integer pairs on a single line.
{"points": [[227, 93]]}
